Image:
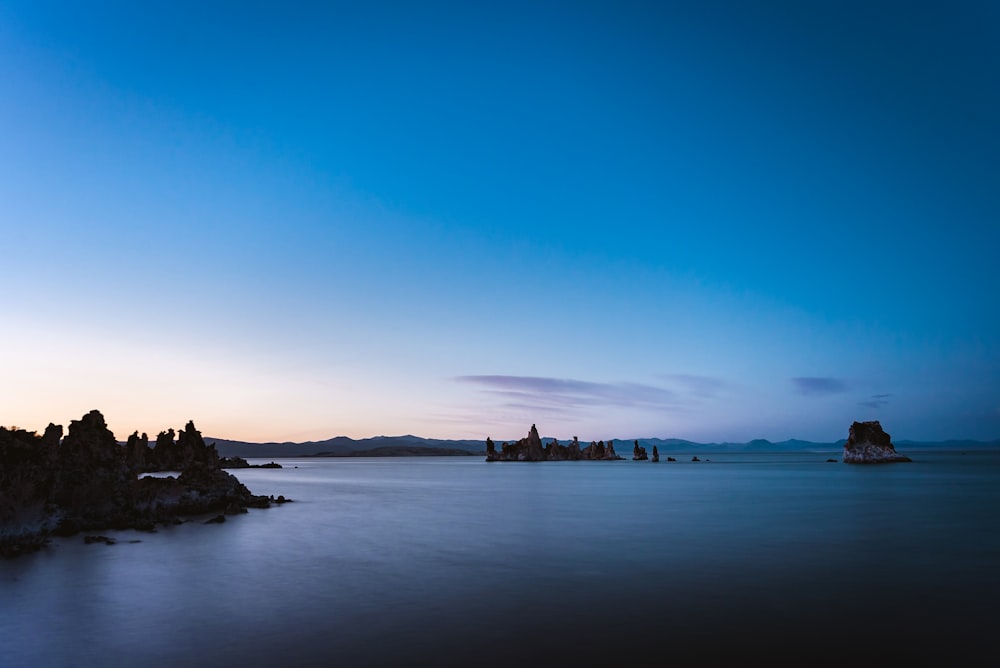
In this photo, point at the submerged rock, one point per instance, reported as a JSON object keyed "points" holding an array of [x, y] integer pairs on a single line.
{"points": [[867, 443]]}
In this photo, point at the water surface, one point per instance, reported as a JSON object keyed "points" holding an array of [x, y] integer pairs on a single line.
{"points": [[456, 561]]}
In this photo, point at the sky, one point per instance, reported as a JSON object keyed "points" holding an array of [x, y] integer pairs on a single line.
{"points": [[716, 221]]}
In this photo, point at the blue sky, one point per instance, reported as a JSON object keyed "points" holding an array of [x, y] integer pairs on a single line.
{"points": [[703, 220]]}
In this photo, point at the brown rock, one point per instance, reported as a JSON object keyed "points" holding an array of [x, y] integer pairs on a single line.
{"points": [[867, 443]]}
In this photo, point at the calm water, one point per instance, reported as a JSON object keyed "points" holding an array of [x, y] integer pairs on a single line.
{"points": [[460, 562]]}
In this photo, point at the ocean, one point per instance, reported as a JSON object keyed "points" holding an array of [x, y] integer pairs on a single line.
{"points": [[786, 559]]}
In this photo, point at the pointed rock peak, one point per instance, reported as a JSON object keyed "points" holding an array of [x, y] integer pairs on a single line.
{"points": [[533, 433], [92, 420], [90, 425], [53, 434]]}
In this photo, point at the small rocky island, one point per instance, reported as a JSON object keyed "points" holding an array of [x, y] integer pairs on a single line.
{"points": [[530, 449], [639, 453], [87, 481], [235, 462], [867, 443]]}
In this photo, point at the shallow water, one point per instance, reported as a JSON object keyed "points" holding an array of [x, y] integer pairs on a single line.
{"points": [[456, 561]]}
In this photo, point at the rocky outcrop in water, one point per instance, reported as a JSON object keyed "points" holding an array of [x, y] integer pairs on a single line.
{"points": [[235, 462], [530, 449], [867, 443], [87, 481], [638, 452], [656, 454]]}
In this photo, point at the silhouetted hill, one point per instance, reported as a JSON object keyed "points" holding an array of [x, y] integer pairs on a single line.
{"points": [[403, 451], [343, 446]]}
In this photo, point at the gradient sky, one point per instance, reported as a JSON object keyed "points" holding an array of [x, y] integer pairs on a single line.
{"points": [[707, 220]]}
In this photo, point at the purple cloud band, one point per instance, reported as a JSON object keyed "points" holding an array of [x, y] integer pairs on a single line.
{"points": [[567, 392], [817, 386], [876, 401]]}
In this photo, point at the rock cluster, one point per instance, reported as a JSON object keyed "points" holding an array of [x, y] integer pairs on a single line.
{"points": [[50, 485], [867, 443], [530, 449]]}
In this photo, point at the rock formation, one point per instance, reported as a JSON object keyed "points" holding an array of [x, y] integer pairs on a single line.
{"points": [[638, 452], [656, 454], [87, 481], [867, 443], [235, 462], [530, 449]]}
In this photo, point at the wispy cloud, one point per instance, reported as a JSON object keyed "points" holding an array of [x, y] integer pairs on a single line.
{"points": [[703, 386], [567, 393], [876, 401], [818, 385]]}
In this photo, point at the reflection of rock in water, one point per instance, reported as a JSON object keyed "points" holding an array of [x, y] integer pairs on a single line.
{"points": [[867, 443]]}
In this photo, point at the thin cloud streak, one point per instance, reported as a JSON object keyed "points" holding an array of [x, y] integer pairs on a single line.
{"points": [[819, 386], [703, 386], [876, 401], [571, 393]]}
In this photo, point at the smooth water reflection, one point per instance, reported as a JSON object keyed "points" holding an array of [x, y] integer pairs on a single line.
{"points": [[455, 561]]}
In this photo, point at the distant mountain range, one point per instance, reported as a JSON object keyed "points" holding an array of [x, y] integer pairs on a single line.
{"points": [[343, 446], [409, 446]]}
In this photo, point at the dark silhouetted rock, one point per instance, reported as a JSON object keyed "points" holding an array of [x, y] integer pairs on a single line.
{"points": [[165, 455], [138, 453], [87, 481], [234, 462], [27, 480], [638, 452], [574, 449], [656, 454], [530, 449], [94, 483], [867, 443]]}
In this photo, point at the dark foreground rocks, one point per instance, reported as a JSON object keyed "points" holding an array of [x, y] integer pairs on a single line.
{"points": [[89, 482], [867, 443]]}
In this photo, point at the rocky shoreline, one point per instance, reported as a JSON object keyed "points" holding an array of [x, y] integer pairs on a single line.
{"points": [[87, 481]]}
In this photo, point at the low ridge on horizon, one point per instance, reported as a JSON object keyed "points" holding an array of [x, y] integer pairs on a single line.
{"points": [[645, 439]]}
